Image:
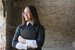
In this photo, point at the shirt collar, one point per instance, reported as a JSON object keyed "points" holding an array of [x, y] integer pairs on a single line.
{"points": [[31, 22]]}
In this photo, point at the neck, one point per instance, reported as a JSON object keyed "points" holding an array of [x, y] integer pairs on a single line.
{"points": [[29, 20]]}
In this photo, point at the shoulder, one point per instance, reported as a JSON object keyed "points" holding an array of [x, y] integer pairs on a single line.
{"points": [[20, 26], [41, 27]]}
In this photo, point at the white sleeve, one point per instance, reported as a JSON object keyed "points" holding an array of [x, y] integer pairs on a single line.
{"points": [[21, 46], [31, 43]]}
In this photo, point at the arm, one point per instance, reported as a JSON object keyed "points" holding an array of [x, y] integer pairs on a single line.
{"points": [[29, 43], [15, 38], [41, 37], [18, 41]]}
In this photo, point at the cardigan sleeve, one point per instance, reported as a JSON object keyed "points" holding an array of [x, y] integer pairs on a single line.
{"points": [[41, 37], [15, 38]]}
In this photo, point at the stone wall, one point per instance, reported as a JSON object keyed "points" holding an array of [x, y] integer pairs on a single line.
{"points": [[2, 33], [2, 28], [58, 18]]}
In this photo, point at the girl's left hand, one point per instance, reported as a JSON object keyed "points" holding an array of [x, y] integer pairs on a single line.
{"points": [[29, 47]]}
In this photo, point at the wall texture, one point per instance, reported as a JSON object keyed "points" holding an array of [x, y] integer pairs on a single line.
{"points": [[58, 18]]}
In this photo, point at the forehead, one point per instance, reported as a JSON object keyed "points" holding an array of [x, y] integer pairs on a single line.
{"points": [[27, 9]]}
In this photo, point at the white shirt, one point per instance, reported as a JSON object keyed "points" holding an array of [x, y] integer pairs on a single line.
{"points": [[28, 43], [32, 23]]}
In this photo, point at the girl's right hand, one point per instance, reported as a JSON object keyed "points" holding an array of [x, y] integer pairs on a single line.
{"points": [[21, 39]]}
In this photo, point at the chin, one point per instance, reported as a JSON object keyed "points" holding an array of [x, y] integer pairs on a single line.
{"points": [[27, 20]]}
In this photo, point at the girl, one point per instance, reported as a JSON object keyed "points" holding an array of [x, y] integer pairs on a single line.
{"points": [[30, 34]]}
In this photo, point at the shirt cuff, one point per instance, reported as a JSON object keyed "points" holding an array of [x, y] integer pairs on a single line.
{"points": [[21, 46], [31, 43]]}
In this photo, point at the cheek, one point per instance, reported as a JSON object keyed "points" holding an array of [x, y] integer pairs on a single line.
{"points": [[26, 17], [29, 16]]}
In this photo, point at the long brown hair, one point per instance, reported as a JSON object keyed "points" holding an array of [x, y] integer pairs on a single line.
{"points": [[34, 15]]}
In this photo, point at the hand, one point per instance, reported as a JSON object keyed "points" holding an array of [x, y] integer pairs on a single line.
{"points": [[29, 47], [21, 39]]}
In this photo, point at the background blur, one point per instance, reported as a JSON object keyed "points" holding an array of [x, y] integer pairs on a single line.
{"points": [[57, 16], [2, 28]]}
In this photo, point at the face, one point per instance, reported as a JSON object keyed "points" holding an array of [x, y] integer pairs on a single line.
{"points": [[27, 14]]}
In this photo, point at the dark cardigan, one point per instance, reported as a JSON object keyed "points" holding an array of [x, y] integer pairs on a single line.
{"points": [[37, 32]]}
